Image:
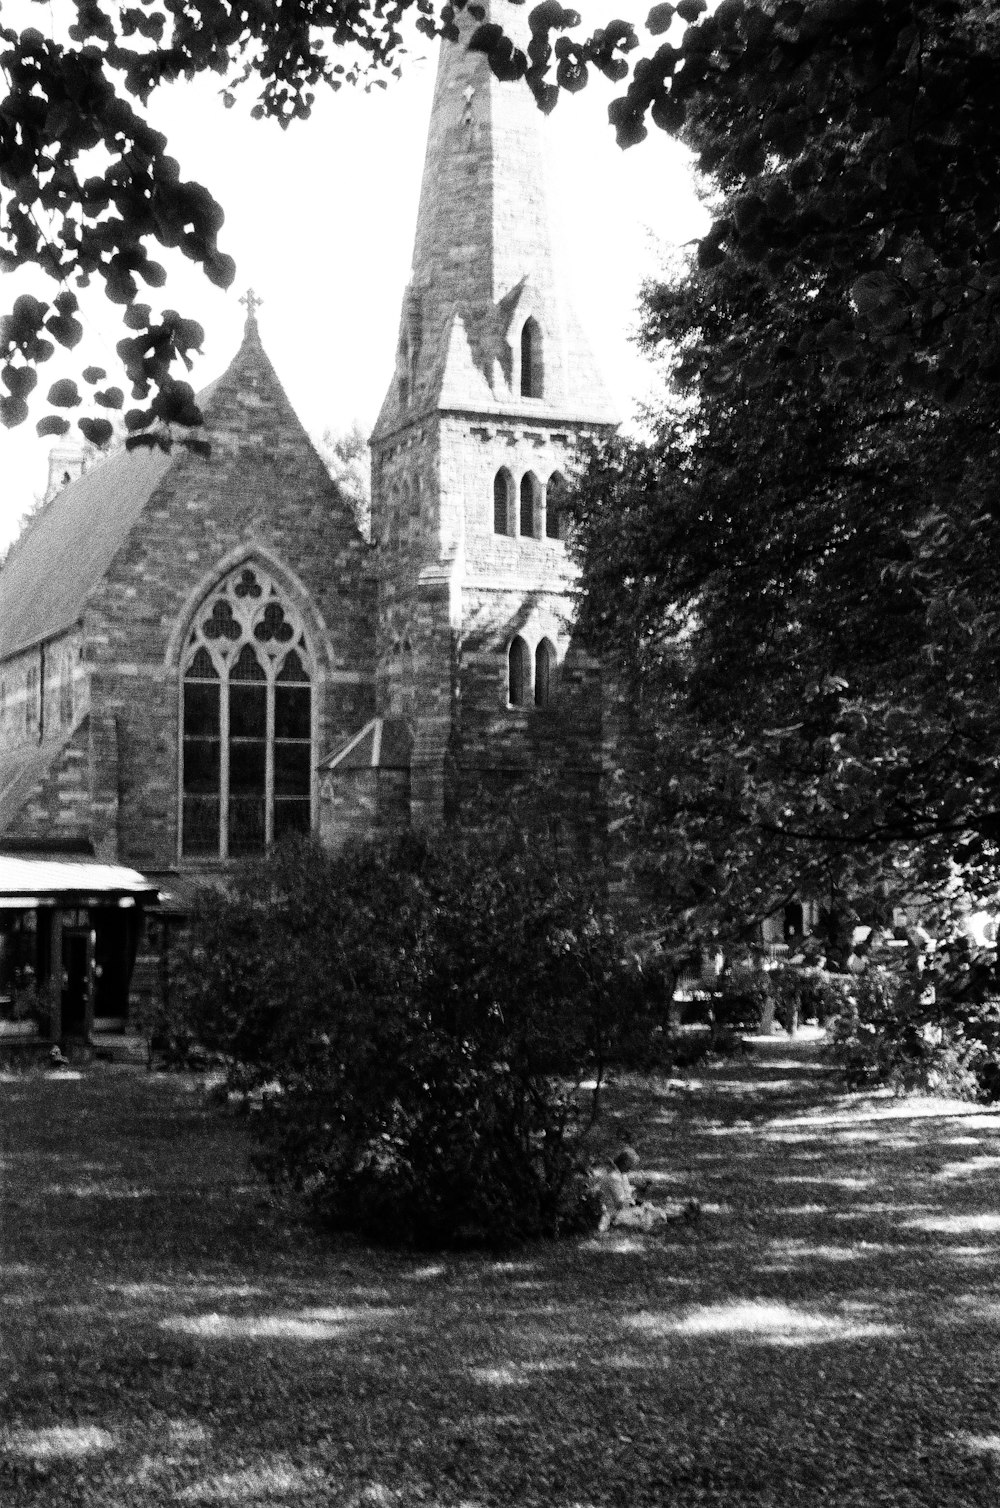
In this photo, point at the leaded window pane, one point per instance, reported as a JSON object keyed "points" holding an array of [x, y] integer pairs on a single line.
{"points": [[291, 816], [247, 767], [292, 769], [247, 711], [247, 825], [292, 712], [201, 711], [201, 766], [201, 825]]}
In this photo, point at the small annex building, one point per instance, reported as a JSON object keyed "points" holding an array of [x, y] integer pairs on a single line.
{"points": [[200, 654]]}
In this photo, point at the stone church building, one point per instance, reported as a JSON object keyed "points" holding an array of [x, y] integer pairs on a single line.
{"points": [[199, 655]]}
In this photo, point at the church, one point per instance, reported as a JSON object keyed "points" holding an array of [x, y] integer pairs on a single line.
{"points": [[199, 655]]}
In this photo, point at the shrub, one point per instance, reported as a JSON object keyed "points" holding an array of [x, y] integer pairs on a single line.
{"points": [[437, 1014], [919, 1033]]}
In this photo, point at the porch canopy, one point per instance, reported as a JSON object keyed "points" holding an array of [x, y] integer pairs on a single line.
{"points": [[30, 884]]}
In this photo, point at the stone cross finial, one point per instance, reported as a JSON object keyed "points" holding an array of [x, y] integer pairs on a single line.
{"points": [[252, 303]]}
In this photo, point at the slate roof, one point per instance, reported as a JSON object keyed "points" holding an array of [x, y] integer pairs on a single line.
{"points": [[58, 561], [70, 543]]}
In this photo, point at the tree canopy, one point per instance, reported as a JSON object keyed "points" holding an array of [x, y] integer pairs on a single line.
{"points": [[774, 93], [800, 573]]}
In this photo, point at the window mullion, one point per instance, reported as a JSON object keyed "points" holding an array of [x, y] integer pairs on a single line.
{"points": [[269, 761], [224, 764]]}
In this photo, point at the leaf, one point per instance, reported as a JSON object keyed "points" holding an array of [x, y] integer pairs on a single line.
{"points": [[94, 374], [64, 394], [52, 424], [659, 19], [97, 431], [111, 397]]}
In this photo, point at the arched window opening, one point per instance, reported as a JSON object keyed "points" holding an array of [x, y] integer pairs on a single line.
{"points": [[518, 673], [531, 359], [503, 494], [247, 756], [545, 659], [529, 505], [66, 691], [555, 498]]}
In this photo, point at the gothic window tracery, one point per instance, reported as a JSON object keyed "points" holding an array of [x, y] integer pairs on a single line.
{"points": [[247, 757]]}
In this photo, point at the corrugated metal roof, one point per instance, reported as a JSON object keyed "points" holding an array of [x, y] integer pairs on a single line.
{"points": [[24, 879]]}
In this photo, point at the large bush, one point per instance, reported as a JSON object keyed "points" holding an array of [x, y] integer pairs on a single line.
{"points": [[431, 1017]]}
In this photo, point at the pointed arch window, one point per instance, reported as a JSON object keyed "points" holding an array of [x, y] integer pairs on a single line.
{"points": [[503, 502], [532, 375], [555, 501], [518, 673], [545, 659], [530, 505], [246, 714]]}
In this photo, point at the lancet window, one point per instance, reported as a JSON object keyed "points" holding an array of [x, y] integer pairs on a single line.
{"points": [[247, 746]]}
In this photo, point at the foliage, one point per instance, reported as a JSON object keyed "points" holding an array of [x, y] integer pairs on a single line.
{"points": [[34, 1002], [432, 1018], [798, 576], [937, 1031], [777, 97], [345, 455]]}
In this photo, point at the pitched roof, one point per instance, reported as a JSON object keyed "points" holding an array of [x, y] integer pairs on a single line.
{"points": [[69, 546], [385, 743]]}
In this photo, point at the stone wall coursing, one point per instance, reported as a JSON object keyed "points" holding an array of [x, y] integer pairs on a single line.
{"points": [[54, 809], [44, 692], [263, 489]]}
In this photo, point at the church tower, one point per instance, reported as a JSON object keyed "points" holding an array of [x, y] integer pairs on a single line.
{"points": [[493, 391]]}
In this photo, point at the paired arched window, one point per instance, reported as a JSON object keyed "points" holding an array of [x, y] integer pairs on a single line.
{"points": [[523, 687], [503, 502], [532, 374], [247, 754], [555, 498], [530, 505], [518, 673]]}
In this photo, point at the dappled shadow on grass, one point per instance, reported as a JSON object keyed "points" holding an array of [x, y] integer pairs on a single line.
{"points": [[774, 1349]]}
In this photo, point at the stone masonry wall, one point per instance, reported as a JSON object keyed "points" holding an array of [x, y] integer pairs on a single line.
{"points": [[263, 490]]}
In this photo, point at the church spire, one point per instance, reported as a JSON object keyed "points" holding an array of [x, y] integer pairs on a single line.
{"points": [[482, 258]]}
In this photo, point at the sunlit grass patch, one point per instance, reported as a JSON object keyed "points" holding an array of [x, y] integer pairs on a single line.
{"points": [[763, 1321], [308, 1325], [262, 1482], [56, 1442], [984, 1221]]}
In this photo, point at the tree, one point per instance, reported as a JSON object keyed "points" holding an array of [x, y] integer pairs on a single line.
{"points": [[800, 573], [345, 455], [774, 93]]}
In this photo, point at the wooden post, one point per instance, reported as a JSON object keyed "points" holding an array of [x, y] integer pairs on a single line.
{"points": [[56, 974]]}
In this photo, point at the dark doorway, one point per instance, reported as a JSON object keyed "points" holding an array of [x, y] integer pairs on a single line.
{"points": [[77, 962]]}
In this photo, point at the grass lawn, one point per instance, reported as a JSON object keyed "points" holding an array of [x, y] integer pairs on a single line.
{"points": [[826, 1332]]}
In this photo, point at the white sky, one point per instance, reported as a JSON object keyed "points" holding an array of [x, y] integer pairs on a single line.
{"points": [[320, 220]]}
